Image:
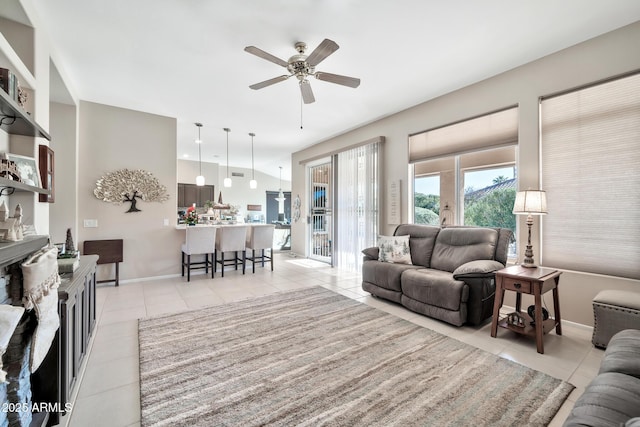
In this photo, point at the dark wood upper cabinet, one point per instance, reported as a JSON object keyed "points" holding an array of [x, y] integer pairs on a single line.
{"points": [[188, 194]]}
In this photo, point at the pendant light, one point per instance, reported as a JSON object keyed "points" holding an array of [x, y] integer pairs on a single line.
{"points": [[280, 200], [253, 184], [227, 180], [280, 197], [199, 178]]}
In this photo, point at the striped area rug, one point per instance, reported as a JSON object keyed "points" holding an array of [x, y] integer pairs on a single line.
{"points": [[313, 357]]}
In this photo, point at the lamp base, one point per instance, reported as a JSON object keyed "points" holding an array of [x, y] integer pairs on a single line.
{"points": [[528, 257], [527, 265]]}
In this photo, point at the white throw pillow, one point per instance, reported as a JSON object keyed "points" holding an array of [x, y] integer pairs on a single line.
{"points": [[394, 249]]}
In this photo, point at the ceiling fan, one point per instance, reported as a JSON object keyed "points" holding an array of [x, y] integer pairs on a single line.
{"points": [[303, 66]]}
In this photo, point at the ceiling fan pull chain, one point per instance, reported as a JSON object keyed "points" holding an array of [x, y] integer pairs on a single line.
{"points": [[301, 105]]}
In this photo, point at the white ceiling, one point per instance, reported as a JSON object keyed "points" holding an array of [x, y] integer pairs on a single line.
{"points": [[185, 59]]}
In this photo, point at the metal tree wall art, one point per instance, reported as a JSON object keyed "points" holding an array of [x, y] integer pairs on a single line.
{"points": [[126, 185]]}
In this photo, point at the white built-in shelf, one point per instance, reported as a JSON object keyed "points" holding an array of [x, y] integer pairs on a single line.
{"points": [[22, 187], [16, 120], [9, 59]]}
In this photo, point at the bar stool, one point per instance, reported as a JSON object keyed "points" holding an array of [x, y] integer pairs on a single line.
{"points": [[199, 240], [260, 237], [230, 238]]}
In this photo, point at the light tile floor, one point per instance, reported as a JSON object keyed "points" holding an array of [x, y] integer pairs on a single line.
{"points": [[109, 390]]}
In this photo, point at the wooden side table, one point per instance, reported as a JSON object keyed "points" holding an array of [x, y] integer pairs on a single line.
{"points": [[109, 252], [532, 281]]}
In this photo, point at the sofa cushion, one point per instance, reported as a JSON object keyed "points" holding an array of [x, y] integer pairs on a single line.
{"points": [[385, 275], [434, 287], [623, 354], [457, 246], [609, 400], [423, 238], [479, 268], [371, 253], [394, 249]]}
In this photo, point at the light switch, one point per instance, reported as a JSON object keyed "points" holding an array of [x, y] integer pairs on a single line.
{"points": [[90, 223], [166, 222]]}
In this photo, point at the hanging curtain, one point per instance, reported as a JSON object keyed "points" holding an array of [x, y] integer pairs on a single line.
{"points": [[356, 216]]}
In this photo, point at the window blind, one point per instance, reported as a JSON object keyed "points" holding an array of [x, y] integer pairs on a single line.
{"points": [[356, 205], [590, 155], [482, 132]]}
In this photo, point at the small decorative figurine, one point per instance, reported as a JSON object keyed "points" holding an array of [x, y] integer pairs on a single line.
{"points": [[11, 228]]}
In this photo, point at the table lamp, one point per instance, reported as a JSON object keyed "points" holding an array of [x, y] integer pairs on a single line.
{"points": [[530, 202]]}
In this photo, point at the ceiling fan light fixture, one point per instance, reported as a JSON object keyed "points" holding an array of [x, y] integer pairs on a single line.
{"points": [[303, 66]]}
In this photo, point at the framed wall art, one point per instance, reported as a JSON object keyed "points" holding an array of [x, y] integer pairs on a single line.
{"points": [[27, 168]]}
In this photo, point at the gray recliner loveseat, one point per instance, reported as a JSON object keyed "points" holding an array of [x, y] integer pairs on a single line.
{"points": [[451, 277], [613, 396]]}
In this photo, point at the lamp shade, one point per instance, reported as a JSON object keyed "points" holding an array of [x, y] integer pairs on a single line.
{"points": [[530, 202], [253, 184], [200, 180], [227, 182]]}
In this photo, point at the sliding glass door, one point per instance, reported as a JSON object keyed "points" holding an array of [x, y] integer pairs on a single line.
{"points": [[321, 212], [343, 199]]}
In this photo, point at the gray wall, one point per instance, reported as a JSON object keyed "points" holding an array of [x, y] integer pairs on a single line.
{"points": [[600, 58], [112, 138], [63, 212]]}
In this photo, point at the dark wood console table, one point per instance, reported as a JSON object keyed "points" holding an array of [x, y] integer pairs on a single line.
{"points": [[58, 375], [532, 281], [77, 309]]}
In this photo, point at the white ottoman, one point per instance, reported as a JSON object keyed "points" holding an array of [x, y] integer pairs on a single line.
{"points": [[614, 311]]}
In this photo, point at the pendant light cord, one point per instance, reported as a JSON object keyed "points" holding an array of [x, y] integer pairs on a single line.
{"points": [[227, 130], [199, 150], [253, 173]]}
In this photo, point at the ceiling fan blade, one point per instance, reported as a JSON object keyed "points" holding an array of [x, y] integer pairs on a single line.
{"points": [[307, 93], [269, 82], [338, 79], [324, 49], [264, 55]]}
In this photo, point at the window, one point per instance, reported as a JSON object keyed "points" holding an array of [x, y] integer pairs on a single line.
{"points": [[465, 173], [426, 202], [590, 156], [489, 195]]}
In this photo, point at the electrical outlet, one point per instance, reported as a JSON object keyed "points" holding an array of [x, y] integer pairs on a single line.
{"points": [[90, 223], [166, 222]]}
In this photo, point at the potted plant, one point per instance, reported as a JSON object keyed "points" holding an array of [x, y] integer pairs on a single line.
{"points": [[192, 216], [209, 205]]}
